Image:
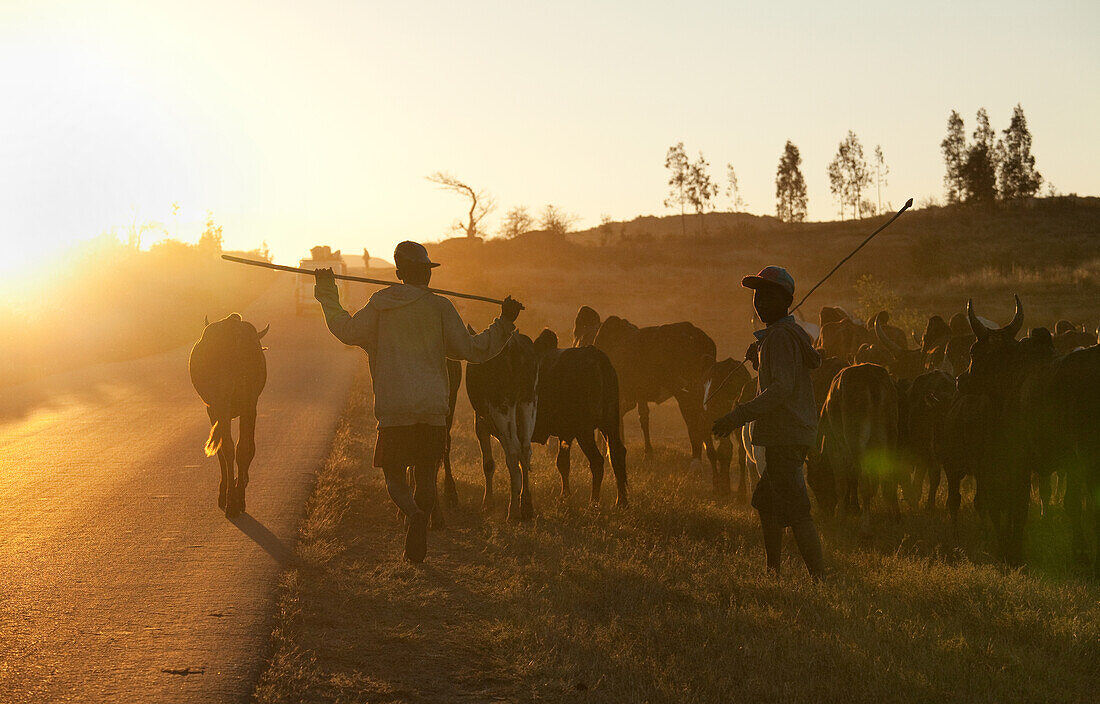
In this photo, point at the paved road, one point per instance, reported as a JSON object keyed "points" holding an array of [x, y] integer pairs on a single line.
{"points": [[116, 567]]}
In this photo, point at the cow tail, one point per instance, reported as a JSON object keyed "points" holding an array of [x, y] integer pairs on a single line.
{"points": [[214, 442]]}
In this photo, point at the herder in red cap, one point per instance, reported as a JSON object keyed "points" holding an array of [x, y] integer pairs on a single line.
{"points": [[409, 333], [786, 418]]}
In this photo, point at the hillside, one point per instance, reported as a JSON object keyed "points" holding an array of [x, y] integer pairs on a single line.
{"points": [[929, 261]]}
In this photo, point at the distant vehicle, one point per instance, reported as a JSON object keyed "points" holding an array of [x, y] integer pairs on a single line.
{"points": [[320, 258]]}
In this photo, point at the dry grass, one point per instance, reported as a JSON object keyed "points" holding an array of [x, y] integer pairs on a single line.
{"points": [[666, 602]]}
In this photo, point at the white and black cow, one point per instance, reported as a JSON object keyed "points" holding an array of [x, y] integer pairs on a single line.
{"points": [[503, 394]]}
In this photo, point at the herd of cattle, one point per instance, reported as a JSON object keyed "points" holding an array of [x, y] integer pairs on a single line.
{"points": [[965, 397]]}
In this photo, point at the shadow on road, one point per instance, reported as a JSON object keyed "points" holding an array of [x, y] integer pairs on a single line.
{"points": [[263, 537]]}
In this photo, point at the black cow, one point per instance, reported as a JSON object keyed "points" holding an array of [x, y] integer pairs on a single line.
{"points": [[578, 396], [924, 404], [503, 394], [228, 370], [1046, 412], [961, 445], [657, 363]]}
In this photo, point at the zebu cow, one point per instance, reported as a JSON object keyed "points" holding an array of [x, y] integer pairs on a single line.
{"points": [[657, 363], [962, 446], [725, 384], [585, 327], [578, 396], [842, 339], [859, 433], [924, 405], [1046, 413], [229, 371], [503, 394], [1068, 340]]}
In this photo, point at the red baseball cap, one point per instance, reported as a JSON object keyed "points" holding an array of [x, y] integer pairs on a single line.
{"points": [[771, 276]]}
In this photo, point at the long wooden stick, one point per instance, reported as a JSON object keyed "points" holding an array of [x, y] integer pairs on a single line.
{"points": [[361, 279], [908, 204]]}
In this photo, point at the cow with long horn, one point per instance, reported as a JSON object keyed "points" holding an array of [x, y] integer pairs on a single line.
{"points": [[1046, 415]]}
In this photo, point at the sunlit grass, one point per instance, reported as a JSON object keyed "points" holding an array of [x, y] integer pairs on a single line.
{"points": [[666, 602]]}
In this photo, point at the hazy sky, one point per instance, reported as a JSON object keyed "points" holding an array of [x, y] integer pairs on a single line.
{"points": [[304, 123]]}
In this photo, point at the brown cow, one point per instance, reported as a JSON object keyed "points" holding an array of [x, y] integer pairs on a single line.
{"points": [[229, 371], [859, 434], [725, 383], [842, 338], [655, 364]]}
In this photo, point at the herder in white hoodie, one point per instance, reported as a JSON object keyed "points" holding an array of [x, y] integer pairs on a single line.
{"points": [[408, 334]]}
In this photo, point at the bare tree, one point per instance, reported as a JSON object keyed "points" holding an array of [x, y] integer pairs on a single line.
{"points": [[481, 203], [516, 222], [557, 221]]}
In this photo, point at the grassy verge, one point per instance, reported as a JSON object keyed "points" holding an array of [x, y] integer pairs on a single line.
{"points": [[667, 602]]}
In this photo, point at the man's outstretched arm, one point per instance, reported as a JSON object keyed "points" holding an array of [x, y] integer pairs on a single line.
{"points": [[459, 343], [360, 329]]}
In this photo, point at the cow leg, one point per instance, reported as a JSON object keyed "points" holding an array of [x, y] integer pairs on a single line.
{"points": [[1045, 489], [525, 426], [643, 420], [691, 410], [450, 491], [562, 462], [1091, 469], [724, 456], [246, 451], [712, 457], [1074, 503], [227, 455], [484, 441], [508, 435], [954, 497], [867, 489], [215, 433], [934, 472], [616, 451], [742, 468], [587, 442]]}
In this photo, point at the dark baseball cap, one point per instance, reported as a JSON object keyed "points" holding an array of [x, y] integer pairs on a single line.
{"points": [[771, 276], [409, 252]]}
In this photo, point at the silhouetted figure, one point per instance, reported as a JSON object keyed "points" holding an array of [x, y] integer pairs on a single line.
{"points": [[786, 418], [229, 371], [408, 333]]}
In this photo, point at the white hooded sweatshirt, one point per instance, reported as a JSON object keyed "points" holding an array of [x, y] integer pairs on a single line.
{"points": [[408, 334]]}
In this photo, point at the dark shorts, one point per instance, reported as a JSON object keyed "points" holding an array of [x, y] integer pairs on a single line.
{"points": [[410, 445], [781, 492]]}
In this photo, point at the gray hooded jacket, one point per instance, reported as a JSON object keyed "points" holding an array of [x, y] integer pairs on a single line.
{"points": [[784, 408], [408, 333]]}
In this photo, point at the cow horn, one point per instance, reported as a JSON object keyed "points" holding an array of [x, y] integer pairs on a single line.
{"points": [[206, 320], [884, 339], [263, 332], [979, 328], [1017, 319]]}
